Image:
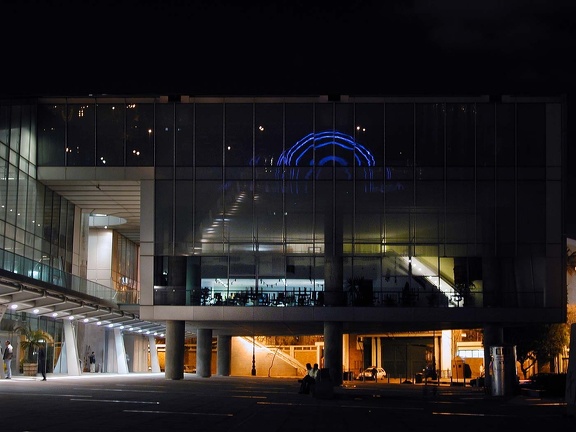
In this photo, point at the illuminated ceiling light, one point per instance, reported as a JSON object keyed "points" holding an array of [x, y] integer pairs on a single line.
{"points": [[99, 323], [130, 329], [71, 317], [86, 320], [121, 327], [55, 314], [110, 325], [14, 306], [36, 311]]}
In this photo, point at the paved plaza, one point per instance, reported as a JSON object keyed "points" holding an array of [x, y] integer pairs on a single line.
{"points": [[149, 402]]}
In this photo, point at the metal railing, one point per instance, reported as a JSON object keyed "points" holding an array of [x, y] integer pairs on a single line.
{"points": [[40, 271]]}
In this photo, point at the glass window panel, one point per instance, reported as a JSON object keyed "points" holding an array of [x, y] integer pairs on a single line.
{"points": [[269, 135], [269, 211], [458, 229], [4, 123], [485, 135], [430, 134], [238, 212], [323, 117], [239, 135], [21, 205], [208, 138], [51, 134], [399, 191], [140, 134], [164, 136], [15, 127], [3, 188], [184, 214], [399, 134], [81, 140], [184, 134], [531, 134], [461, 194], [242, 265], [429, 193], [460, 134], [427, 228], [505, 131], [12, 195], [505, 212], [369, 129], [163, 217], [397, 228], [110, 126], [31, 204], [299, 211], [532, 212], [208, 211], [28, 131], [344, 119], [55, 223], [299, 126]]}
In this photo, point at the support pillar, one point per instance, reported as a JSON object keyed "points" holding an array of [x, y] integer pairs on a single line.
{"points": [[204, 353], [121, 360], [174, 362], [69, 361], [333, 350], [154, 363], [224, 356], [493, 336]]}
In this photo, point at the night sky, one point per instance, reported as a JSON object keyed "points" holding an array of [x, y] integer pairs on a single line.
{"points": [[217, 47], [299, 47]]}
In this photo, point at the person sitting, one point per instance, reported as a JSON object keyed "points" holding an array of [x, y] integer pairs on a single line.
{"points": [[314, 377], [306, 380]]}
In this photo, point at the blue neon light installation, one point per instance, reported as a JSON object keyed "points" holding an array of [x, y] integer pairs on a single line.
{"points": [[319, 147]]}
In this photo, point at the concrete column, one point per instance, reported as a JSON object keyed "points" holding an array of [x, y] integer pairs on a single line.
{"points": [[493, 336], [155, 364], [174, 364], [224, 356], [204, 353], [121, 359], [69, 361], [71, 349], [333, 350]]}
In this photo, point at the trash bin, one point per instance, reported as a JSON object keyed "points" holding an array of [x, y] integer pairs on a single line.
{"points": [[418, 378], [348, 376]]}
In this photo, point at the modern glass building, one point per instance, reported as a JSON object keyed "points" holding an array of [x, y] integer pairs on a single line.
{"points": [[303, 215]]}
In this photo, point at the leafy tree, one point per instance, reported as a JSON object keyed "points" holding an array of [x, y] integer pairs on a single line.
{"points": [[32, 340], [537, 343]]}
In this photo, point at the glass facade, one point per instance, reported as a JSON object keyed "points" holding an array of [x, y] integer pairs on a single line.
{"points": [[36, 224], [422, 202]]}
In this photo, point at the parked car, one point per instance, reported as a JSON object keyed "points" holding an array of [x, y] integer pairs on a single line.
{"points": [[368, 374]]}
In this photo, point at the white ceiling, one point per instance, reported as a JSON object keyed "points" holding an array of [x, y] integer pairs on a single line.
{"points": [[120, 198]]}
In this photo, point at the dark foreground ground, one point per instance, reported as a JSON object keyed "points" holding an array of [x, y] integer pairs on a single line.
{"points": [[149, 402]]}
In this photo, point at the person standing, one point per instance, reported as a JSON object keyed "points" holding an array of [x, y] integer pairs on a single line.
{"points": [[42, 362], [7, 357], [92, 360]]}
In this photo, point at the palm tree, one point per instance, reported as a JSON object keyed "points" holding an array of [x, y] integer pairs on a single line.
{"points": [[33, 340]]}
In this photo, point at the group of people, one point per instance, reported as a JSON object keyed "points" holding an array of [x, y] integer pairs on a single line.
{"points": [[8, 354], [309, 380]]}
